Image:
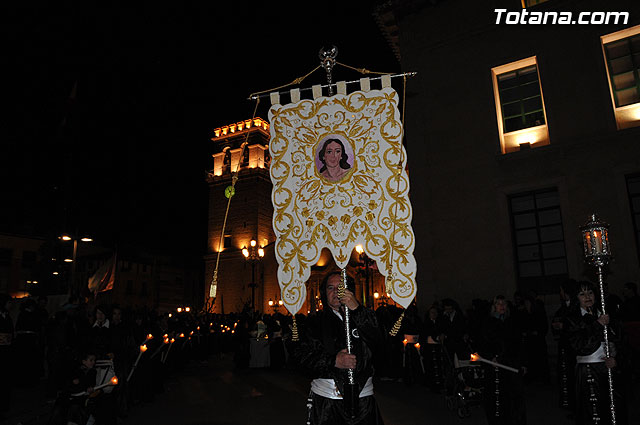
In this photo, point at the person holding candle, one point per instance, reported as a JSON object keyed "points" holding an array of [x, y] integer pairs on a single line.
{"points": [[100, 334], [322, 353], [586, 335], [566, 356], [72, 406], [432, 349], [502, 343]]}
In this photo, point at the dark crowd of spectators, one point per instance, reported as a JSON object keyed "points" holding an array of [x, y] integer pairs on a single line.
{"points": [[97, 362], [70, 348]]}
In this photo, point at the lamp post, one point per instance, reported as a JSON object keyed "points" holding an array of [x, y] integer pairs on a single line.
{"points": [[597, 251], [254, 253], [72, 260], [364, 258]]}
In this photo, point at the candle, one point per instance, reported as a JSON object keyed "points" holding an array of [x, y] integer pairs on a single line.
{"points": [[112, 381], [475, 357], [168, 349], [597, 236], [165, 341], [404, 352], [417, 345], [143, 348]]}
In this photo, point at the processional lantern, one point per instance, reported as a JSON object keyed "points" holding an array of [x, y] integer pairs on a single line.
{"points": [[595, 239], [597, 252]]}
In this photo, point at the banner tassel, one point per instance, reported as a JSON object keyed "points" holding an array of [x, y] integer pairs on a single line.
{"points": [[394, 330], [294, 330]]}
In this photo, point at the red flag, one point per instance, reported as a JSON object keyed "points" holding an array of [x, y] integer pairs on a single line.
{"points": [[103, 279]]}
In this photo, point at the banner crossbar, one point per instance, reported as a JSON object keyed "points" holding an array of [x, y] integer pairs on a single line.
{"points": [[263, 95]]}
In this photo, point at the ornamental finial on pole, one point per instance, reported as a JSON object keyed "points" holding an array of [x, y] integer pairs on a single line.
{"points": [[328, 60]]}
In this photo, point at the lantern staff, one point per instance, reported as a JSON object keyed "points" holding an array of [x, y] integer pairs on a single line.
{"points": [[597, 251]]}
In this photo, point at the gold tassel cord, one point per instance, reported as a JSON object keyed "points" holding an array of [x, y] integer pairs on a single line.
{"points": [[363, 71], [234, 180], [293, 83], [394, 330], [294, 331]]}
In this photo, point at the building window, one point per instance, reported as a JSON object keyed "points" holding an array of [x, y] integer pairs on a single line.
{"points": [[538, 235], [522, 122], [633, 188], [621, 51], [227, 241]]}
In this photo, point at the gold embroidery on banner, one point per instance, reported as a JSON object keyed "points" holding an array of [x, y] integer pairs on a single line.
{"points": [[369, 203]]}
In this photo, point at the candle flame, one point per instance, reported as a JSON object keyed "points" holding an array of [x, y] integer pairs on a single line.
{"points": [[475, 357], [143, 348], [173, 340], [417, 345], [405, 342], [181, 335], [114, 380], [149, 336], [166, 340]]}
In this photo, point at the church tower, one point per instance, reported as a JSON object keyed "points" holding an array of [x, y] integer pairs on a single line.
{"points": [[245, 278]]}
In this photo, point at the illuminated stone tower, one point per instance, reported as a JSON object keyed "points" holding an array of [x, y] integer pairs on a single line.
{"points": [[249, 218]]}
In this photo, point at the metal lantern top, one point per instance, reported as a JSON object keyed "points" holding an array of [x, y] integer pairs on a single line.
{"points": [[595, 238]]}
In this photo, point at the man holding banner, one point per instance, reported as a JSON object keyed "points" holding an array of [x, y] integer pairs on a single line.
{"points": [[322, 352]]}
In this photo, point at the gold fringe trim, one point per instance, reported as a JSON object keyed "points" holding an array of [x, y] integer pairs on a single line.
{"points": [[396, 327]]}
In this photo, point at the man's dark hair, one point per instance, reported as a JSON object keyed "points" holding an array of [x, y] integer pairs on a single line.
{"points": [[351, 285]]}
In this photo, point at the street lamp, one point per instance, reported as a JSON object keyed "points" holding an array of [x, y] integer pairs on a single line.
{"points": [[253, 254], [67, 238], [364, 258]]}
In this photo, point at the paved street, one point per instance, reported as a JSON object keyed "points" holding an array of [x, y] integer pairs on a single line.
{"points": [[213, 393], [216, 395]]}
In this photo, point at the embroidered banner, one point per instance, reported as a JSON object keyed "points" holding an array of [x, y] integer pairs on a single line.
{"points": [[339, 180]]}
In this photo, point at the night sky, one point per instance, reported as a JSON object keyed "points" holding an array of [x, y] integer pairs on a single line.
{"points": [[122, 157]]}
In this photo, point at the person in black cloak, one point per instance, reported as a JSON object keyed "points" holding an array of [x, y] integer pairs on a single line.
{"points": [[503, 390], [586, 325], [322, 353]]}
